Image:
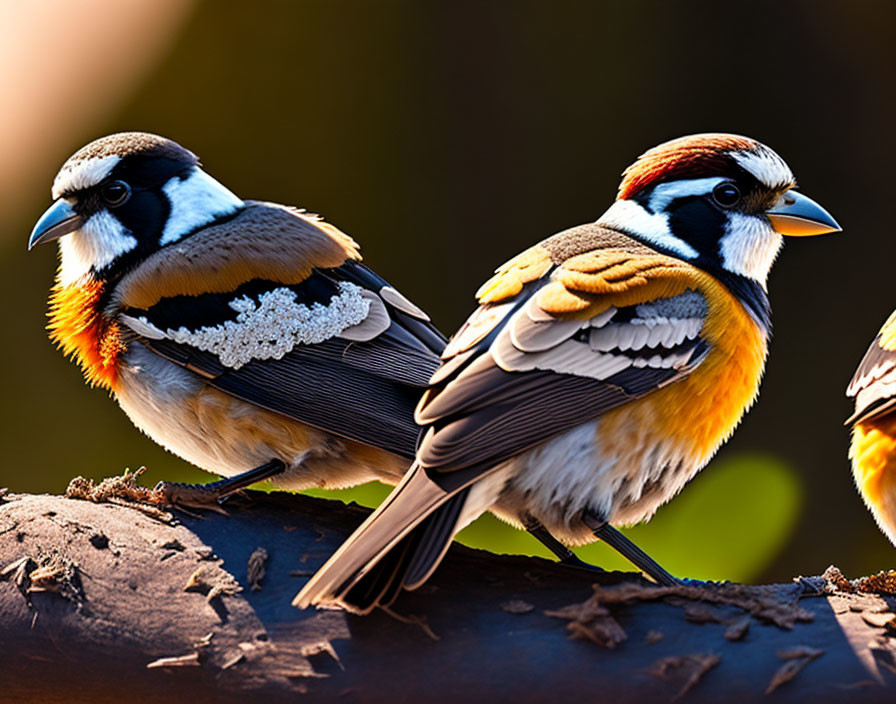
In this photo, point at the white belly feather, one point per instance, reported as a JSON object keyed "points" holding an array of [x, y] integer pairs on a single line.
{"points": [[158, 396], [560, 478], [224, 435]]}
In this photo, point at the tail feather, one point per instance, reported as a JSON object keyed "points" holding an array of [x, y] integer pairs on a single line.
{"points": [[434, 541], [390, 590], [382, 583], [363, 569], [408, 564], [467, 505]]}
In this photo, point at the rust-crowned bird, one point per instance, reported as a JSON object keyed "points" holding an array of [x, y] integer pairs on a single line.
{"points": [[603, 368]]}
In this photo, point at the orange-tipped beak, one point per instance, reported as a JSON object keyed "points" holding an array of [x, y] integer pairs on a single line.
{"points": [[800, 216]]}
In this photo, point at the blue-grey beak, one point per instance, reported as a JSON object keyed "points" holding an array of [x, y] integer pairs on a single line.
{"points": [[58, 220], [800, 216]]}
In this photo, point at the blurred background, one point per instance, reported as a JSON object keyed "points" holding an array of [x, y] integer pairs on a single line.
{"points": [[446, 137]]}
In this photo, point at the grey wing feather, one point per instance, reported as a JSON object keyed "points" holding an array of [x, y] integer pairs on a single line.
{"points": [[532, 376], [874, 384]]}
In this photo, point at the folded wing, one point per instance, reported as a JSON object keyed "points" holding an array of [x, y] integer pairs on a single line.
{"points": [[587, 336], [330, 344], [873, 386]]}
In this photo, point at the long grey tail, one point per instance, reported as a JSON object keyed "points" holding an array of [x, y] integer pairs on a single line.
{"points": [[398, 546]]}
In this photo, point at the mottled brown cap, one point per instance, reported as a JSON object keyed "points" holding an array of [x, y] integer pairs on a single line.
{"points": [[124, 144], [93, 162]]}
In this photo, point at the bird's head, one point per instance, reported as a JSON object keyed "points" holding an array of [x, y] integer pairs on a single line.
{"points": [[124, 196], [719, 201]]}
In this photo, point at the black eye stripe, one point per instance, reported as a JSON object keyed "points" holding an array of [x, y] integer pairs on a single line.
{"points": [[110, 191], [149, 173]]}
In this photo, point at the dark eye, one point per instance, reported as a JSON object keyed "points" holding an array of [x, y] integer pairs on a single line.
{"points": [[726, 195], [115, 192]]}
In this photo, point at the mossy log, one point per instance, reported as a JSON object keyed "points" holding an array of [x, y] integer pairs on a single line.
{"points": [[123, 602]]}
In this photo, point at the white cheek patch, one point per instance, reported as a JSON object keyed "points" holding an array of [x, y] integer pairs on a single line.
{"points": [[83, 174], [750, 246], [195, 201], [274, 325], [629, 217], [766, 166], [97, 244]]}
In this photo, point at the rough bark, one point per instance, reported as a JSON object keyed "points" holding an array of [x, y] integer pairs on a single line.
{"points": [[104, 602]]}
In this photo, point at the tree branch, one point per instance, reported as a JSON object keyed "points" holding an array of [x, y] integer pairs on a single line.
{"points": [[105, 602]]}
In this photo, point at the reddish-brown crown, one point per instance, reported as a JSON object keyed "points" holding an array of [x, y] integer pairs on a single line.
{"points": [[694, 156]]}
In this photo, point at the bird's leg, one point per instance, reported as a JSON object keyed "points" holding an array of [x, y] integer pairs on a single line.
{"points": [[563, 553], [628, 550], [211, 494]]}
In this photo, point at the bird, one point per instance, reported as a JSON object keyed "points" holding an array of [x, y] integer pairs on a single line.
{"points": [[245, 337], [602, 369], [872, 449]]}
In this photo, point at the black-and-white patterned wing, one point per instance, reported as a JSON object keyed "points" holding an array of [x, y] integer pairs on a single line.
{"points": [[516, 375], [342, 350]]}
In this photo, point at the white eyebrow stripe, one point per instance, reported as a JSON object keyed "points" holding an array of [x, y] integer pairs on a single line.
{"points": [[665, 193], [766, 166], [83, 174]]}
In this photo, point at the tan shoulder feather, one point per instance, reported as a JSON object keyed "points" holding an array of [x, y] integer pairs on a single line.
{"points": [[265, 240], [510, 277], [598, 279]]}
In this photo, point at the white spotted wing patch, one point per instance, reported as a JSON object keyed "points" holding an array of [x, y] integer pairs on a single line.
{"points": [[664, 334], [271, 324]]}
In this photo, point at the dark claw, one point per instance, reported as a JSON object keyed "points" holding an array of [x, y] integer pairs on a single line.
{"points": [[212, 495], [201, 496]]}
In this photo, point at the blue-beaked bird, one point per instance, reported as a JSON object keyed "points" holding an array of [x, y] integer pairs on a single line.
{"points": [[601, 371], [245, 337]]}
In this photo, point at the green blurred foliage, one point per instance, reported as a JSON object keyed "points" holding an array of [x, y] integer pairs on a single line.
{"points": [[729, 523], [446, 137]]}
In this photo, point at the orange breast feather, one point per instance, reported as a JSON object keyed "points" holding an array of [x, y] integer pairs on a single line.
{"points": [[703, 409], [873, 453], [699, 411], [78, 327]]}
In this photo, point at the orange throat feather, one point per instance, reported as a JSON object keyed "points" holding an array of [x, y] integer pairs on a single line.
{"points": [[78, 327]]}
